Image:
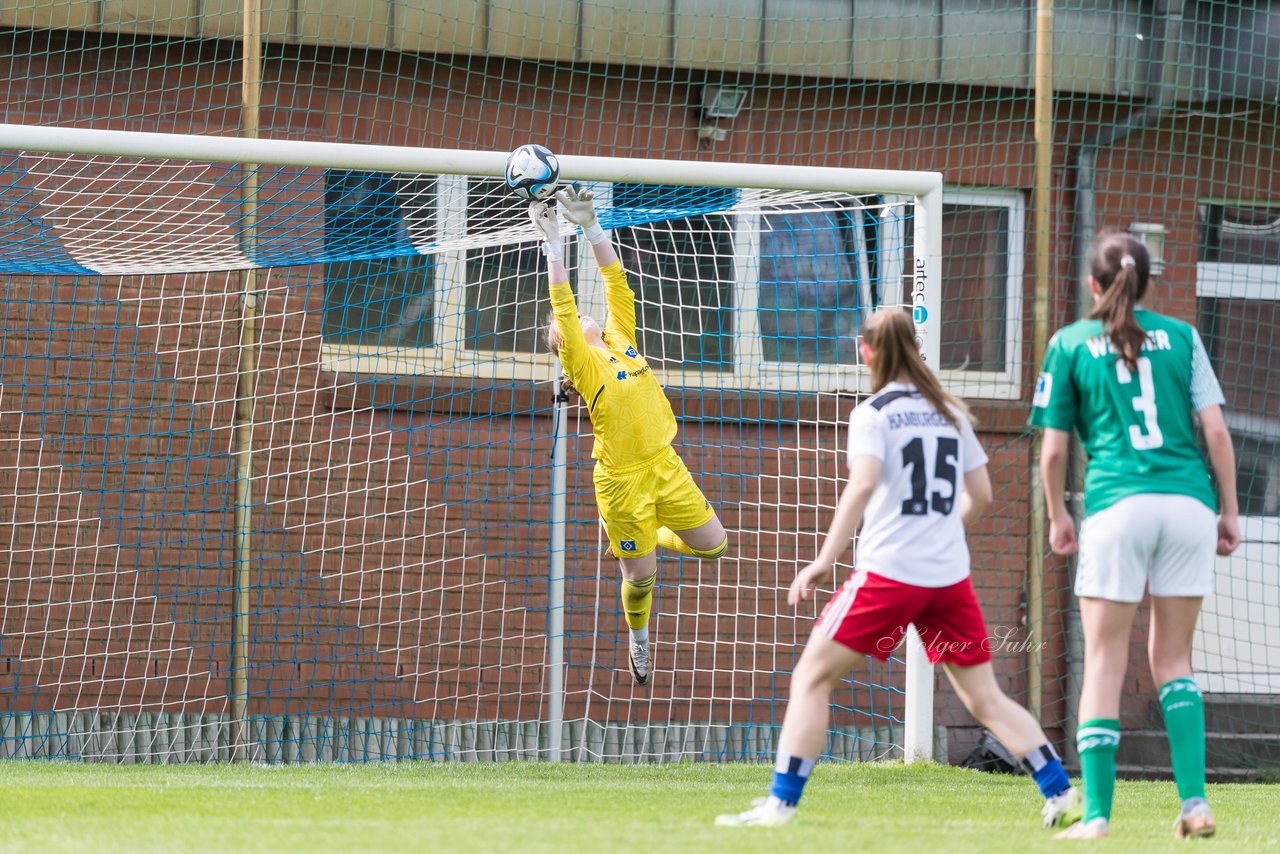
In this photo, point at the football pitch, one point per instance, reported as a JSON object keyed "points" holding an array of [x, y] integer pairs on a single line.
{"points": [[527, 808]]}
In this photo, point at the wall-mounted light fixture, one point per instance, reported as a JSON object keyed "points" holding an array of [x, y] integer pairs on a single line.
{"points": [[723, 102], [1152, 236], [719, 102]]}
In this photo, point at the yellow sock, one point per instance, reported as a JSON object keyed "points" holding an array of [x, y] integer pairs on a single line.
{"points": [[669, 539], [637, 598]]}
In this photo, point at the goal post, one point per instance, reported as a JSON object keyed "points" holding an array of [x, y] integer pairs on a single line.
{"points": [[426, 554]]}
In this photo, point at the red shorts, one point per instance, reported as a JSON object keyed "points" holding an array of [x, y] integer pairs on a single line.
{"points": [[870, 615]]}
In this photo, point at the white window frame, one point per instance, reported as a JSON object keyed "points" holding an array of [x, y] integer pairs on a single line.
{"points": [[1005, 384], [1223, 659], [751, 372]]}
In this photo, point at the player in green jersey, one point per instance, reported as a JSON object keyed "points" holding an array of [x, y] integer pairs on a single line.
{"points": [[1131, 383]]}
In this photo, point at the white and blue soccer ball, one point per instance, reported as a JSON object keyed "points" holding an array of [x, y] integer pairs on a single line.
{"points": [[532, 172]]}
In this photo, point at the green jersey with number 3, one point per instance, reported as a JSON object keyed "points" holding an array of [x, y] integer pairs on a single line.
{"points": [[1136, 425]]}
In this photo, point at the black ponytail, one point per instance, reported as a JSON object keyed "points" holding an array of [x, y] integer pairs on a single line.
{"points": [[1121, 266]]}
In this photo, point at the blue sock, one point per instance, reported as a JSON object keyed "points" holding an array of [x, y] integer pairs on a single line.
{"points": [[1044, 765], [789, 776]]}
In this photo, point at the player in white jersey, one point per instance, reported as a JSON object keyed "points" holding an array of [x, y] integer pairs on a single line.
{"points": [[917, 477]]}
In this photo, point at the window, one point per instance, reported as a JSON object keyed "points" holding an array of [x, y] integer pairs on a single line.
{"points": [[683, 274], [1239, 234], [983, 239], [772, 297], [818, 272], [1238, 308], [506, 299], [387, 302], [975, 301], [1238, 314]]}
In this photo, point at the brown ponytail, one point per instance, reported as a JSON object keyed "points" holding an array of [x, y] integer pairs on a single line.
{"points": [[891, 335], [1119, 263]]}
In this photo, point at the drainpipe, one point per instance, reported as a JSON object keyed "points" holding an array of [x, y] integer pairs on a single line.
{"points": [[1162, 87]]}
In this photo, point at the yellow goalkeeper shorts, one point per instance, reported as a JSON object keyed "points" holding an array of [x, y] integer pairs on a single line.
{"points": [[635, 500]]}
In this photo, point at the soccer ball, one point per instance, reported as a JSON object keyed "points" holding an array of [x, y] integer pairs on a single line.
{"points": [[532, 172]]}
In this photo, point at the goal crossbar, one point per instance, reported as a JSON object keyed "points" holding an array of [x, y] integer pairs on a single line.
{"points": [[224, 149]]}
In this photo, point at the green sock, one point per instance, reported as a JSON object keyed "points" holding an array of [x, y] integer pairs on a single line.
{"points": [[1096, 742], [1183, 709]]}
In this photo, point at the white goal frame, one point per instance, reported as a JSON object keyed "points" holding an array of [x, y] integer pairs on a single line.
{"points": [[925, 188]]}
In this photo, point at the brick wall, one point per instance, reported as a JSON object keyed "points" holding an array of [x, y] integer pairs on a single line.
{"points": [[400, 555]]}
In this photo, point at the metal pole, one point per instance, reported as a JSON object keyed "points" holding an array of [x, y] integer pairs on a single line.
{"points": [[1039, 341], [246, 395], [917, 716], [555, 582]]}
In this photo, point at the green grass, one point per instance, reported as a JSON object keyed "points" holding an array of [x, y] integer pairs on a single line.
{"points": [[530, 808]]}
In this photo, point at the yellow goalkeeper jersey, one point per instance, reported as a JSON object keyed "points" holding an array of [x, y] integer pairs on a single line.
{"points": [[630, 415]]}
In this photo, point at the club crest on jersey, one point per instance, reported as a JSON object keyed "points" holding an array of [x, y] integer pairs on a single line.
{"points": [[622, 375], [1044, 388], [628, 545], [632, 352]]}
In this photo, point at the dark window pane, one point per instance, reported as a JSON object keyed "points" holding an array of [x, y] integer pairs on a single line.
{"points": [[388, 302], [506, 300], [810, 287], [371, 299], [683, 274], [1244, 347], [1239, 234], [975, 293], [975, 290], [1257, 472]]}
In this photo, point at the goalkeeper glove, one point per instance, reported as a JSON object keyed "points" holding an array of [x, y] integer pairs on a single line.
{"points": [[579, 209], [549, 224]]}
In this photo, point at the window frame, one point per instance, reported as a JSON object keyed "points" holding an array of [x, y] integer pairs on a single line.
{"points": [[750, 371], [1224, 279], [1236, 281], [1005, 384]]}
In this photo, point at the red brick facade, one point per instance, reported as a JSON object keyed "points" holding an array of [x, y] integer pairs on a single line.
{"points": [[400, 556]]}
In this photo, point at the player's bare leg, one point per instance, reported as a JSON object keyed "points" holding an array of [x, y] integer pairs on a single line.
{"points": [[639, 575], [1017, 730], [804, 731], [708, 541], [1107, 627]]}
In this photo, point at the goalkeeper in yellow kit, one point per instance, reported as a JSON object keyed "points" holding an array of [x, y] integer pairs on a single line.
{"points": [[644, 492]]}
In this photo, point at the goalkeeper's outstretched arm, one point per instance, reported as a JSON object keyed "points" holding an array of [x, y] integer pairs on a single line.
{"points": [[578, 208], [571, 342]]}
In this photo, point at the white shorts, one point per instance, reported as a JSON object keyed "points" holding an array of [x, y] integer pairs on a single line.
{"points": [[1165, 543]]}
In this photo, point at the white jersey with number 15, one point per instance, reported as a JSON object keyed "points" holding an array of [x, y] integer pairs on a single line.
{"points": [[911, 529]]}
